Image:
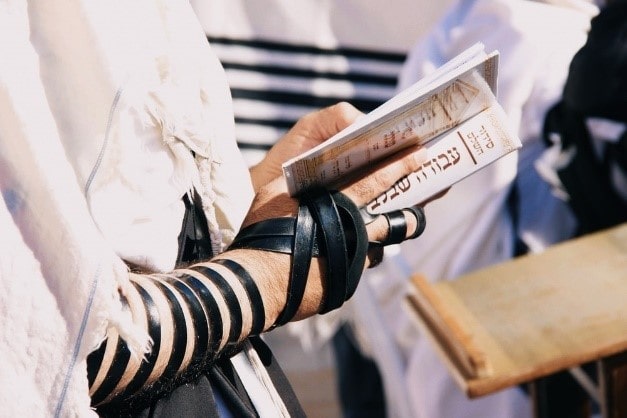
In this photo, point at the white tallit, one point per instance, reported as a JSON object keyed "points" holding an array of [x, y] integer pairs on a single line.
{"points": [[101, 104]]}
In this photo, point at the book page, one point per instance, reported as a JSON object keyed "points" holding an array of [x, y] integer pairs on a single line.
{"points": [[452, 94], [451, 157]]}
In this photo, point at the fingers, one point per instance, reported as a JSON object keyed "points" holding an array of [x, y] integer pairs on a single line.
{"points": [[328, 121], [310, 130], [384, 175]]}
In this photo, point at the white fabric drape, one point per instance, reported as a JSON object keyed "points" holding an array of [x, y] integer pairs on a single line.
{"points": [[101, 104]]}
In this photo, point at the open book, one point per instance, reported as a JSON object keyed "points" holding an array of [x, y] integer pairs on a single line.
{"points": [[453, 113]]}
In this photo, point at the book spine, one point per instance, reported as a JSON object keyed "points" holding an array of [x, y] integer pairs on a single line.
{"points": [[451, 157]]}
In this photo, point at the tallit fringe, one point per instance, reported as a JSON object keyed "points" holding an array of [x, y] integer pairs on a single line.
{"points": [[113, 315], [266, 380], [183, 136], [208, 197], [137, 338]]}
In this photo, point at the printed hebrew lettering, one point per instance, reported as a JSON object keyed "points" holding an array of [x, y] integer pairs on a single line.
{"points": [[447, 164], [435, 161], [394, 192], [404, 184], [455, 159]]}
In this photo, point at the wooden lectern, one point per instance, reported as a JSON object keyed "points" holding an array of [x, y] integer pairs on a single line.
{"points": [[536, 315]]}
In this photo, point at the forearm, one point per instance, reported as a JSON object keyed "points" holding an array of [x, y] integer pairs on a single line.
{"points": [[293, 258], [269, 270], [193, 315]]}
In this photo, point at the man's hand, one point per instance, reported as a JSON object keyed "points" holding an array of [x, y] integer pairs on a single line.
{"points": [[271, 270], [311, 130]]}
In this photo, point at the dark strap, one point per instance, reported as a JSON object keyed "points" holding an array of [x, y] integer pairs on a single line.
{"points": [[194, 240], [254, 296], [177, 353], [212, 309], [115, 373], [199, 319], [303, 245], [276, 235], [325, 214], [397, 227], [154, 329], [297, 237], [327, 224], [421, 220], [226, 380], [229, 297], [356, 240]]}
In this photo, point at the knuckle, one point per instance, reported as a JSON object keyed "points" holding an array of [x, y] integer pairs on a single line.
{"points": [[345, 113]]}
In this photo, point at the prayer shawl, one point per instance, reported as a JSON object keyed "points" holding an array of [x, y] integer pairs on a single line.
{"points": [[109, 112]]}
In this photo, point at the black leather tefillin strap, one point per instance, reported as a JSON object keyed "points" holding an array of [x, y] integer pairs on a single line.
{"points": [[328, 225], [397, 225]]}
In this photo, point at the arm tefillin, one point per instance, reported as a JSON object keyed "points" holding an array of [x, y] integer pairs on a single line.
{"points": [[196, 314], [193, 316]]}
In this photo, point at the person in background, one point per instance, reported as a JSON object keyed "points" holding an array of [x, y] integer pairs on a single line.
{"points": [[134, 281], [504, 210], [586, 161], [284, 59], [586, 131]]}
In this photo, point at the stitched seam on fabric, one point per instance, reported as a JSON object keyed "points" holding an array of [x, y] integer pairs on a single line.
{"points": [[94, 171], [77, 345]]}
